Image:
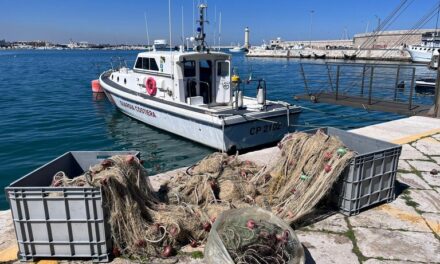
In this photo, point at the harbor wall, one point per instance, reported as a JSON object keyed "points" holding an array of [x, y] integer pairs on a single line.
{"points": [[366, 54], [390, 39]]}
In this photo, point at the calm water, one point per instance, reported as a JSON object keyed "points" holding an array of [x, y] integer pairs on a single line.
{"points": [[47, 109]]}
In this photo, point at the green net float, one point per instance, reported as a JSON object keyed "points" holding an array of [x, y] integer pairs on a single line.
{"points": [[304, 177], [341, 151]]}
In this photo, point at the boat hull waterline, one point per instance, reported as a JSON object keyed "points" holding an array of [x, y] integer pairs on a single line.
{"points": [[215, 132]]}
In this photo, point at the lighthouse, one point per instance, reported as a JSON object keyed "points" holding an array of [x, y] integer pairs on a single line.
{"points": [[246, 38]]}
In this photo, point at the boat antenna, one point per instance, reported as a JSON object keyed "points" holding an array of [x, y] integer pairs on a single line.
{"points": [[146, 28], [215, 25], [219, 29], [169, 22], [194, 16], [171, 49], [436, 22], [183, 31], [200, 38]]}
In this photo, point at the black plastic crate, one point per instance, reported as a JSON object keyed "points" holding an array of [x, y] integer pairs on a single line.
{"points": [[370, 177], [61, 222]]}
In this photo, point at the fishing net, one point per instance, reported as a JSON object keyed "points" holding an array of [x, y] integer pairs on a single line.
{"points": [[290, 186], [145, 223], [252, 235], [140, 224]]}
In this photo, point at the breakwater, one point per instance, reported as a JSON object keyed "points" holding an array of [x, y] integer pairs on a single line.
{"points": [[365, 54]]}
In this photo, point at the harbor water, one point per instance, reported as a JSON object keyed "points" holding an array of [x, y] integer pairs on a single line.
{"points": [[47, 109]]}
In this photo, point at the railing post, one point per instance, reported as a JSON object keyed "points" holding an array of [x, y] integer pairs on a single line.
{"points": [[436, 107], [412, 88], [337, 82], [329, 76], [397, 82], [363, 80], [371, 85], [304, 78]]}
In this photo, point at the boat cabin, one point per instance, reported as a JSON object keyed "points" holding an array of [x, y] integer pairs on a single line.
{"points": [[194, 78]]}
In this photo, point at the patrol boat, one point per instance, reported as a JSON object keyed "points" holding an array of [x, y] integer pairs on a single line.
{"points": [[194, 95]]}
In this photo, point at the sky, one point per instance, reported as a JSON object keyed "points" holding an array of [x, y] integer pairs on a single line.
{"points": [[123, 22]]}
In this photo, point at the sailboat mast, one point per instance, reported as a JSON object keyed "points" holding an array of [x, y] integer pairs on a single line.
{"points": [[219, 29], [169, 22], [183, 31], [146, 28]]}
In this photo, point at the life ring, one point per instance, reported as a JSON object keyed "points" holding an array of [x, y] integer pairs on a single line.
{"points": [[151, 87]]}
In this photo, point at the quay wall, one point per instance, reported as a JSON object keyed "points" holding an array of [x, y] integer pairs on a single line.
{"points": [[367, 54], [390, 39]]}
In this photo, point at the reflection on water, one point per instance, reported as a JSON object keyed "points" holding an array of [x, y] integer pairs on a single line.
{"points": [[161, 150]]}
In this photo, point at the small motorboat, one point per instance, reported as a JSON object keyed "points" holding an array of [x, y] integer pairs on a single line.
{"points": [[425, 86], [237, 49], [350, 57], [302, 56], [319, 56]]}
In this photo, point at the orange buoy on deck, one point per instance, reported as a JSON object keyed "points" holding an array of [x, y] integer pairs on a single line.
{"points": [[96, 87]]}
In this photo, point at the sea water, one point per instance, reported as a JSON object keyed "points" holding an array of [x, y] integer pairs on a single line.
{"points": [[47, 108]]}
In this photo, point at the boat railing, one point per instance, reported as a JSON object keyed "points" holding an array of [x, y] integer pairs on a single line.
{"points": [[118, 63]]}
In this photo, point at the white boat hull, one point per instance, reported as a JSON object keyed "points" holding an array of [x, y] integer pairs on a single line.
{"points": [[219, 133], [420, 55]]}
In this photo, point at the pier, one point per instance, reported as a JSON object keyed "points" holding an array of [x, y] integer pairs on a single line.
{"points": [[406, 229], [383, 46], [365, 54]]}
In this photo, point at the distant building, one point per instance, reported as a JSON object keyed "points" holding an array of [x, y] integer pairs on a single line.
{"points": [[390, 39], [3, 43]]}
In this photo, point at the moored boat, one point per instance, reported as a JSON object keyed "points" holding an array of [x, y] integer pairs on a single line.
{"points": [[350, 57], [302, 56], [194, 95], [237, 49], [427, 49], [425, 86], [322, 56]]}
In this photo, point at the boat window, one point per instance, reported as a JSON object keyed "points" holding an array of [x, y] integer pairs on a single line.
{"points": [[189, 68], [223, 69], [153, 65], [146, 63], [138, 63]]}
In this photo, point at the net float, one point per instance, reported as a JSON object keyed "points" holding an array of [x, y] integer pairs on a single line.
{"points": [[250, 224], [341, 152], [327, 168], [328, 156], [167, 251], [207, 226], [129, 159]]}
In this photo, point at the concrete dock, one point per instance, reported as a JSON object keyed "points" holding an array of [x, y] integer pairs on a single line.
{"points": [[366, 54], [406, 230]]}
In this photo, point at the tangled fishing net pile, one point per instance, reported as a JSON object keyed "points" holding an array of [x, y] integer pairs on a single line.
{"points": [[155, 224]]}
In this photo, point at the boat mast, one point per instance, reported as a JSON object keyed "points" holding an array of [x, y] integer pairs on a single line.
{"points": [[200, 38], [146, 28]]}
